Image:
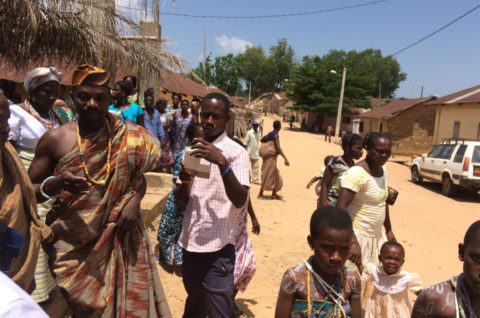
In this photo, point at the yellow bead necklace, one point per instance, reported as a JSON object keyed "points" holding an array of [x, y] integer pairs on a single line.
{"points": [[82, 157]]}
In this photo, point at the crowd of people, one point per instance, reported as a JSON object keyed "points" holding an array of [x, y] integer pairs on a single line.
{"points": [[73, 243]]}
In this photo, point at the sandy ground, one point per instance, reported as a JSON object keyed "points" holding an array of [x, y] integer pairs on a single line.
{"points": [[428, 224]]}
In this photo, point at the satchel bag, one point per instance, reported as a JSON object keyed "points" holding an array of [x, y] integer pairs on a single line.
{"points": [[267, 149]]}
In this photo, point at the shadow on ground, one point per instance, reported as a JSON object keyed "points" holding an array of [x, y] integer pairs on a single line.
{"points": [[243, 303], [462, 195], [172, 269]]}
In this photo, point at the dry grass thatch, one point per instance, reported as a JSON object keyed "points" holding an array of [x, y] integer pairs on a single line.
{"points": [[70, 32]]}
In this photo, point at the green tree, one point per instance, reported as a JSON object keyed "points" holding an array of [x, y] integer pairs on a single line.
{"points": [[282, 57], [206, 75], [227, 74], [256, 70], [314, 88], [224, 73]]}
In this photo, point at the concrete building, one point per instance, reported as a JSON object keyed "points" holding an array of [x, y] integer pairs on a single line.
{"points": [[458, 115], [410, 122]]}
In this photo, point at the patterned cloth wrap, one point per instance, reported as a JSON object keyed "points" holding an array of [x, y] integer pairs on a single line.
{"points": [[18, 212], [101, 270]]}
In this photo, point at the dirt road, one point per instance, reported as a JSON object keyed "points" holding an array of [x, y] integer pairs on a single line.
{"points": [[429, 225]]}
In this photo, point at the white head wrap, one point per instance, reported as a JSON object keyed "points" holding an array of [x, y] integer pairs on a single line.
{"points": [[39, 76]]}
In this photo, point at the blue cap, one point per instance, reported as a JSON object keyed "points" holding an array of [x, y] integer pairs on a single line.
{"points": [[255, 122]]}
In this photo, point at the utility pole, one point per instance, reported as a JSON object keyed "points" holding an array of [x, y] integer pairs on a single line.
{"points": [[421, 92], [156, 12], [204, 55], [249, 90], [379, 104], [340, 104]]}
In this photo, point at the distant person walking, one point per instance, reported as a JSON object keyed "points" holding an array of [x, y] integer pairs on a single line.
{"points": [[181, 121], [152, 119], [251, 141], [174, 108], [195, 109], [166, 118], [352, 145], [291, 120], [328, 133], [269, 151], [123, 108]]}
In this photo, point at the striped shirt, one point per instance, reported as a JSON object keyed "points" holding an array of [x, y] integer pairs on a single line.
{"points": [[25, 132], [211, 220]]}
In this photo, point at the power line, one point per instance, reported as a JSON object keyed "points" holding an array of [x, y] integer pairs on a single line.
{"points": [[436, 31], [263, 16]]}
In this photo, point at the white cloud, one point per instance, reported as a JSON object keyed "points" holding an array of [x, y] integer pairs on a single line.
{"points": [[232, 45]]}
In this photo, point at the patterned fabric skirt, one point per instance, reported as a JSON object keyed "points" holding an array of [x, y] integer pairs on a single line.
{"points": [[166, 161], [169, 231], [271, 178], [44, 281], [245, 264]]}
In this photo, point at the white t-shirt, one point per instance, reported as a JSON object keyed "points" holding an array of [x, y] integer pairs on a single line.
{"points": [[15, 302], [25, 130]]}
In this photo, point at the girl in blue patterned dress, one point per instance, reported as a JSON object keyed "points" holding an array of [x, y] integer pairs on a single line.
{"points": [[170, 225]]}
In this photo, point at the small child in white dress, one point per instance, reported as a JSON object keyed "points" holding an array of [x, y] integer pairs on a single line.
{"points": [[387, 285]]}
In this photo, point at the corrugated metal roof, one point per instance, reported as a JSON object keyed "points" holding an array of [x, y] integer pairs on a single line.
{"points": [[469, 95], [394, 107]]}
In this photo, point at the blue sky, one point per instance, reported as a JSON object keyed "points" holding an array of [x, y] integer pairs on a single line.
{"points": [[447, 62]]}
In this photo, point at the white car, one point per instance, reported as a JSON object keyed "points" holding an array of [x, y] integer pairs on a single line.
{"points": [[453, 163]]}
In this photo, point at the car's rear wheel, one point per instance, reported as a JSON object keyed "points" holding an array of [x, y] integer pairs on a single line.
{"points": [[448, 188], [416, 177]]}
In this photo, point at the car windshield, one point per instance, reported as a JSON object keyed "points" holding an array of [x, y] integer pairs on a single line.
{"points": [[476, 154], [435, 151]]}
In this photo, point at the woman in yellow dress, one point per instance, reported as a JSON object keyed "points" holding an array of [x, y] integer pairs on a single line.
{"points": [[363, 195]]}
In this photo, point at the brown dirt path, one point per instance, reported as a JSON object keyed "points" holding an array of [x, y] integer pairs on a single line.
{"points": [[429, 225]]}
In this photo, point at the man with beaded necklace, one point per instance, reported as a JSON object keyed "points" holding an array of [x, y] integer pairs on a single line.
{"points": [[93, 168], [459, 296]]}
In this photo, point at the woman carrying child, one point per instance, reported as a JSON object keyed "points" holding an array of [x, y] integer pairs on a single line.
{"points": [[321, 286], [352, 145], [387, 285]]}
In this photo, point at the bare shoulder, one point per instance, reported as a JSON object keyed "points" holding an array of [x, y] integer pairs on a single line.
{"points": [[435, 301], [58, 140]]}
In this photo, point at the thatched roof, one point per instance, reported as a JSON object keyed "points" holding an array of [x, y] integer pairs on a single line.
{"points": [[74, 32]]}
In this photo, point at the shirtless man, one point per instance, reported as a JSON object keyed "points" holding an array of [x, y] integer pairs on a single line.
{"points": [[460, 296], [94, 169]]}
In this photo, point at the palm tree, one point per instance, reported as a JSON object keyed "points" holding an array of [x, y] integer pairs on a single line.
{"points": [[66, 32]]}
